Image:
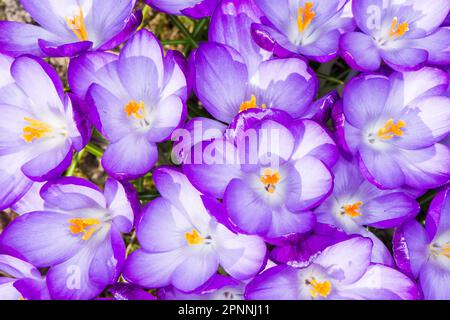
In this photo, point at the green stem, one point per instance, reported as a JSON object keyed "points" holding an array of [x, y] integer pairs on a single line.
{"points": [[199, 27], [329, 78], [94, 150], [76, 159], [173, 42], [177, 22], [427, 198], [145, 13], [148, 197], [130, 244]]}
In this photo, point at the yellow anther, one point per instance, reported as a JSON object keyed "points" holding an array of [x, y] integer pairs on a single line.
{"points": [[353, 210], [135, 109], [251, 104], [35, 130], [391, 129], [398, 30], [193, 238], [86, 226], [305, 16], [322, 289], [270, 179], [76, 23], [445, 250]]}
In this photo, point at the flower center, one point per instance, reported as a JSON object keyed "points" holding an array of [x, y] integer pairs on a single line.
{"points": [[305, 16], [398, 30], [352, 210], [35, 130], [193, 238], [318, 288], [270, 179], [86, 226], [76, 23], [391, 129], [135, 109], [250, 104], [438, 250]]}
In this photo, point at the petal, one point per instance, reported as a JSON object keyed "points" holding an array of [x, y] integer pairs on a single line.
{"points": [[162, 227], [285, 84], [20, 38], [381, 283], [42, 91], [389, 211], [257, 217], [220, 80], [347, 261], [425, 168], [152, 270], [52, 240], [380, 168], [316, 183], [406, 59], [359, 51], [241, 256], [145, 44], [130, 157], [314, 141], [365, 98], [84, 70], [168, 116], [175, 187], [212, 174], [277, 283], [435, 282], [410, 248], [120, 202]]}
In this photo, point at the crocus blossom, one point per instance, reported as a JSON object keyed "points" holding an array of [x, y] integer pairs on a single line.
{"points": [[309, 28], [137, 99], [285, 84], [425, 253], [278, 177], [393, 125], [77, 235], [355, 203], [70, 27], [404, 34], [40, 126], [192, 8], [341, 271], [184, 237], [21, 280]]}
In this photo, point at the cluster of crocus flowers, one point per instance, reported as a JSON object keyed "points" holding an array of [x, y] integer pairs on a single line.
{"points": [[278, 188]]}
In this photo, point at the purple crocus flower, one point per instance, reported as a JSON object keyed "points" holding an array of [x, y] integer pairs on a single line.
{"points": [[77, 235], [355, 203], [424, 254], [192, 8], [138, 98], [70, 27], [341, 272], [21, 280], [286, 84], [309, 28], [393, 125], [404, 34], [277, 177], [40, 126], [185, 237]]}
